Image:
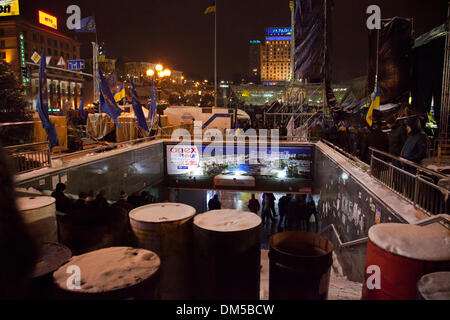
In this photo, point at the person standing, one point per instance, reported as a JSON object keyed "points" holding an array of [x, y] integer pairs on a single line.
{"points": [[214, 203], [283, 206], [397, 137], [123, 203], [416, 145], [100, 201], [311, 212], [253, 204], [81, 204], [377, 139], [63, 203]]}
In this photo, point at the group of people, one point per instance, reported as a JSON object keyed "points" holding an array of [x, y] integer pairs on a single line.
{"points": [[405, 138], [294, 211], [66, 205]]}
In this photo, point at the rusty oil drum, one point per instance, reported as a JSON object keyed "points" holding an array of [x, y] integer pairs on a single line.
{"points": [[300, 266]]}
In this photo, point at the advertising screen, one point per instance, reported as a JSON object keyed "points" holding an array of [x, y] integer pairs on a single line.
{"points": [[285, 162]]}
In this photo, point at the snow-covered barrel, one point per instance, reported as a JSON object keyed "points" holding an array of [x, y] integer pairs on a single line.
{"points": [[166, 228], [39, 215], [109, 273], [52, 255], [398, 255], [227, 255], [434, 286]]}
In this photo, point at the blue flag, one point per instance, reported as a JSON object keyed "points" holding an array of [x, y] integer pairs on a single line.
{"points": [[42, 104], [81, 108], [152, 109], [107, 103], [142, 123], [87, 25]]}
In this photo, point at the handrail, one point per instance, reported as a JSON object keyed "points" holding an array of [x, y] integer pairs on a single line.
{"points": [[345, 153], [409, 163], [18, 146], [344, 244]]}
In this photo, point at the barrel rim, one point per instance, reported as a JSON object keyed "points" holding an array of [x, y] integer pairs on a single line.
{"points": [[133, 212], [50, 201], [281, 252], [227, 231]]}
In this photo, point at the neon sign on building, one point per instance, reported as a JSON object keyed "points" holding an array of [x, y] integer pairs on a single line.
{"points": [[48, 20]]}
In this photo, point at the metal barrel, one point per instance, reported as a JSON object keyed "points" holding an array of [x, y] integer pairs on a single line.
{"points": [[39, 215], [115, 273], [52, 256], [398, 255], [434, 286], [300, 266], [166, 228], [94, 229], [227, 255]]}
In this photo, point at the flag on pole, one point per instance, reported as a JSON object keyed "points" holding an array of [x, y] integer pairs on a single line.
{"points": [[142, 123], [211, 8], [42, 105], [152, 110], [113, 79], [119, 94], [107, 103], [374, 104], [87, 25], [81, 108]]}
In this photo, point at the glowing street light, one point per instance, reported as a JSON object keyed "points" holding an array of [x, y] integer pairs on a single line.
{"points": [[161, 74], [159, 67], [167, 73], [150, 72]]}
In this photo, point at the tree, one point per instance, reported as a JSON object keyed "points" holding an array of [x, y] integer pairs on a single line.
{"points": [[13, 108]]}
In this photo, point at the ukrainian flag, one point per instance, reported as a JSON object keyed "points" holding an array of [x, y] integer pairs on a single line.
{"points": [[211, 8], [375, 104], [119, 94]]}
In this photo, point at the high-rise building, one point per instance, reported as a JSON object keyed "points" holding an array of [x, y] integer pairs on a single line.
{"points": [[276, 56], [21, 38], [254, 61]]}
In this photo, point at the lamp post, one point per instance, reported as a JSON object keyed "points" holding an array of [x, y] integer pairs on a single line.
{"points": [[161, 73]]}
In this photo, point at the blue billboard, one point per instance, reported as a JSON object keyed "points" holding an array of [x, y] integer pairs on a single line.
{"points": [[270, 32]]}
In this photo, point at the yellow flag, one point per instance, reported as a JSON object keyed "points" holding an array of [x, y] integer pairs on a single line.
{"points": [[211, 8], [375, 104]]}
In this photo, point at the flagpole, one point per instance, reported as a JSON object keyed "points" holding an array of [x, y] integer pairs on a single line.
{"points": [[215, 57]]}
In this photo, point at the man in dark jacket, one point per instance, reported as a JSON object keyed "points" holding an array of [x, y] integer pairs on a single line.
{"points": [[63, 203], [81, 204], [214, 203], [123, 203], [253, 204], [397, 137], [416, 145], [378, 139], [283, 206]]}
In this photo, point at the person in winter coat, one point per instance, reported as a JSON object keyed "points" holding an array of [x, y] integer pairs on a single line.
{"points": [[342, 138], [378, 139], [253, 204], [397, 137], [63, 202], [214, 203], [416, 145], [363, 133]]}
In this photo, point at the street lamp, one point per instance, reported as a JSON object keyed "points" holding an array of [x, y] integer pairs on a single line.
{"points": [[150, 73]]}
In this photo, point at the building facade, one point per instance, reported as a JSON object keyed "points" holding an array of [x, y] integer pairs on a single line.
{"points": [[254, 61], [20, 39], [276, 56]]}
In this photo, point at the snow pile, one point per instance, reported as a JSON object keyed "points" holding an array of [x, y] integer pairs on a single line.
{"points": [[422, 243], [227, 220], [110, 269], [435, 286], [162, 212]]}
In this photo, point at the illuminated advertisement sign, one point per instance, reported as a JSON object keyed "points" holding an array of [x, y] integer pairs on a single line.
{"points": [[271, 32], [186, 160], [9, 8], [48, 20]]}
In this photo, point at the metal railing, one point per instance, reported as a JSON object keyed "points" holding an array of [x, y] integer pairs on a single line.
{"points": [[417, 184], [28, 157]]}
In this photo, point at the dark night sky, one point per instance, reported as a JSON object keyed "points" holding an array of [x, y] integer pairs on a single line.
{"points": [[178, 34]]}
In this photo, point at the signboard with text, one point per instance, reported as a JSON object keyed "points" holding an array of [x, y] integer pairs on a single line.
{"points": [[9, 8], [48, 20], [75, 64]]}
